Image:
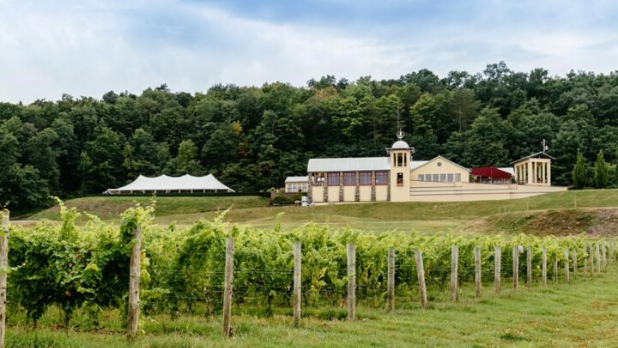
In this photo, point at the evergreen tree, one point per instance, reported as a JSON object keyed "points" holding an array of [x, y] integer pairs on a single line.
{"points": [[579, 171], [601, 171]]}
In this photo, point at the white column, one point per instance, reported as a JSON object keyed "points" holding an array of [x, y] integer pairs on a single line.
{"points": [[530, 173], [549, 173]]}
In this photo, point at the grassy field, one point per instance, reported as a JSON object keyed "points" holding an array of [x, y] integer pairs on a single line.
{"points": [[580, 314], [418, 216], [110, 208]]}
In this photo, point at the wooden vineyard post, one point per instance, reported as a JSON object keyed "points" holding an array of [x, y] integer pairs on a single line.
{"points": [[515, 267], [574, 263], [420, 273], [591, 260], [391, 279], [598, 257], [566, 266], [351, 282], [454, 262], [555, 270], [228, 286], [585, 266], [529, 267], [297, 282], [497, 266], [134, 278], [604, 255], [544, 267], [4, 263], [477, 273]]}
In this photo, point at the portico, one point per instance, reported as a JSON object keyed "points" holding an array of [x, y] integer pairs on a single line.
{"points": [[533, 170]]}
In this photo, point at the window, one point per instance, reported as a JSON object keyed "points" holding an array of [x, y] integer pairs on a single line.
{"points": [[439, 164], [349, 179], [450, 178], [381, 178], [333, 179], [436, 177], [421, 177], [400, 160], [427, 177], [318, 177], [365, 178], [458, 177], [442, 177], [399, 179]]}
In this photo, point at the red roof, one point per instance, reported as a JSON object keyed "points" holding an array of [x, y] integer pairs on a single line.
{"points": [[490, 172]]}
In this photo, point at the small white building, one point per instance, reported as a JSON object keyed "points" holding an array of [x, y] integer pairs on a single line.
{"points": [[295, 184]]}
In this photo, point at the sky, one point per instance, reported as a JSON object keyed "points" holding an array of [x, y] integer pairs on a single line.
{"points": [[87, 48]]}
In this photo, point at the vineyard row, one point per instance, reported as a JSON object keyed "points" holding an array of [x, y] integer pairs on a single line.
{"points": [[143, 267]]}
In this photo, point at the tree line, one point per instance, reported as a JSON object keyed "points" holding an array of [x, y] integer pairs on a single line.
{"points": [[251, 138]]}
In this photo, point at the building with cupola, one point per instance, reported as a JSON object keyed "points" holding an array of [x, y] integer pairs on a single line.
{"points": [[399, 178]]}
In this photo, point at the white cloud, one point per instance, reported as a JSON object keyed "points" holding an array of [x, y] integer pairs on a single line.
{"points": [[89, 47]]}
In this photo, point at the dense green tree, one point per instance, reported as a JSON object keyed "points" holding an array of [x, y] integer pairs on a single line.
{"points": [[186, 161], [222, 146], [601, 171], [579, 173], [252, 137]]}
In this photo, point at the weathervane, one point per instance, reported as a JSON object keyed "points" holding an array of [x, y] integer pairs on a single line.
{"points": [[545, 147], [400, 134]]}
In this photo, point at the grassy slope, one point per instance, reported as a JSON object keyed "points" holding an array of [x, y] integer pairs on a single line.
{"points": [[109, 208], [420, 216], [581, 314]]}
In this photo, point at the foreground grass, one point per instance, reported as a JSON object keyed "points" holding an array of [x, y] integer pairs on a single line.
{"points": [[580, 314]]}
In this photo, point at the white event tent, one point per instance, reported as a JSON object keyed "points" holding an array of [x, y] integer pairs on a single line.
{"points": [[167, 184]]}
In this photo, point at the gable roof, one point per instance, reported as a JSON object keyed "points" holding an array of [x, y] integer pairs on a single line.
{"points": [[441, 158], [534, 155], [509, 170], [417, 164], [353, 164], [490, 172], [297, 179]]}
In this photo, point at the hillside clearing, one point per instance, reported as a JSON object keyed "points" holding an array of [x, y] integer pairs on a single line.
{"points": [[512, 216]]}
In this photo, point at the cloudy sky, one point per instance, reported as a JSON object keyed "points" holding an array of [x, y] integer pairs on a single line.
{"points": [[86, 47]]}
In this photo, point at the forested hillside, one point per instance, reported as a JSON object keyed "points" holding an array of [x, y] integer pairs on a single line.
{"points": [[251, 138]]}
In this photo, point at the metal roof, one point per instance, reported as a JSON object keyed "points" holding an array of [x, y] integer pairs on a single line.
{"points": [[490, 172], [400, 144], [509, 170], [534, 155], [417, 164], [354, 164], [297, 179]]}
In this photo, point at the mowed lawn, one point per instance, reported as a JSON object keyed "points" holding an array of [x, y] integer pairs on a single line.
{"points": [[411, 216], [581, 314], [110, 207]]}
